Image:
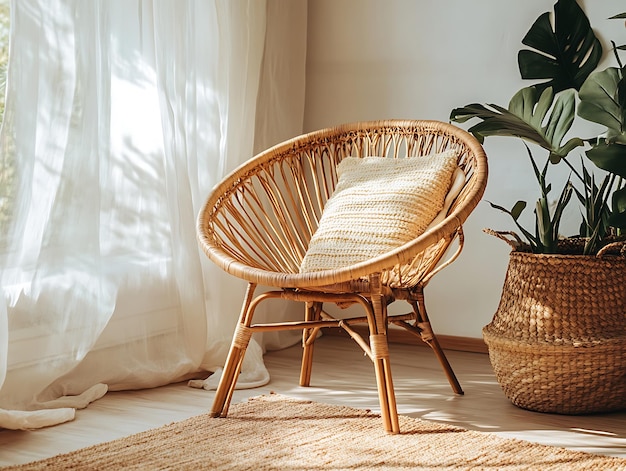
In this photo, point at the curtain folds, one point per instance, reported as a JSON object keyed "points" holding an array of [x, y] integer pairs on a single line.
{"points": [[121, 115]]}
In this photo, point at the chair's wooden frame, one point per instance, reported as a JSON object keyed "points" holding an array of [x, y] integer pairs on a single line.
{"points": [[256, 225]]}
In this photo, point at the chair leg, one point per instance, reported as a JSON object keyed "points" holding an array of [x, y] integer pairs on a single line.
{"points": [[430, 338], [382, 365], [312, 313], [386, 394], [232, 367]]}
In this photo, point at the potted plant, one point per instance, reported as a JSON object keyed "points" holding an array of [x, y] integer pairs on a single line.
{"points": [[557, 341]]}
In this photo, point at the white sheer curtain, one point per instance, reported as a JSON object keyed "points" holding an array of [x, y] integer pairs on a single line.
{"points": [[120, 117]]}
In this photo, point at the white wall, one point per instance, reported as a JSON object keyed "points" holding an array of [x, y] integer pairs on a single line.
{"points": [[419, 59]]}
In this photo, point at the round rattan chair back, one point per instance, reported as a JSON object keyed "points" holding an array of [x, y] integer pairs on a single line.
{"points": [[257, 223]]}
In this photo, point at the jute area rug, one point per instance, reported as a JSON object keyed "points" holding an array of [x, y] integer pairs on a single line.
{"points": [[279, 433]]}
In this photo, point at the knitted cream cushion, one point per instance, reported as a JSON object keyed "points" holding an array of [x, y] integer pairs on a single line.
{"points": [[379, 204]]}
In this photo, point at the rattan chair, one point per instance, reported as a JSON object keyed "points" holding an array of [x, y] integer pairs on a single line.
{"points": [[256, 225]]}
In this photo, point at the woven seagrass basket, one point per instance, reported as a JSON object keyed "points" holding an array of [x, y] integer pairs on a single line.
{"points": [[557, 341]]}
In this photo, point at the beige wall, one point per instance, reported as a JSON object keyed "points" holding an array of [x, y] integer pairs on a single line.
{"points": [[375, 59]]}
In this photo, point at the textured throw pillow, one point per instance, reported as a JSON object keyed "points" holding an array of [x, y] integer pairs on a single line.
{"points": [[378, 205], [458, 182]]}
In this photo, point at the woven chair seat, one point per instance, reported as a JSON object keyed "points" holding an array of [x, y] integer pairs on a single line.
{"points": [[258, 223]]}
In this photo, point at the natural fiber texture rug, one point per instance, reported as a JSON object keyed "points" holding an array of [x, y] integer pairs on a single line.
{"points": [[278, 433]]}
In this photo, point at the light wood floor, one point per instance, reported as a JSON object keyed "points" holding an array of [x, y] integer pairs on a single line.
{"points": [[341, 375]]}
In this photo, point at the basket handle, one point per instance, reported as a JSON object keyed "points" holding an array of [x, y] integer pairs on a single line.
{"points": [[509, 237], [613, 246]]}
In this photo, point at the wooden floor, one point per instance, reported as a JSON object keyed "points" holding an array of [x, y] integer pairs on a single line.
{"points": [[341, 375]]}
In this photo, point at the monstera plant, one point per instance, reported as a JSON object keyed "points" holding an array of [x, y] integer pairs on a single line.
{"points": [[561, 318], [565, 55]]}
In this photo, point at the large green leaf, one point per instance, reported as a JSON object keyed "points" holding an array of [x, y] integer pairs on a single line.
{"points": [[602, 102], [495, 121], [566, 55], [610, 157], [534, 117]]}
